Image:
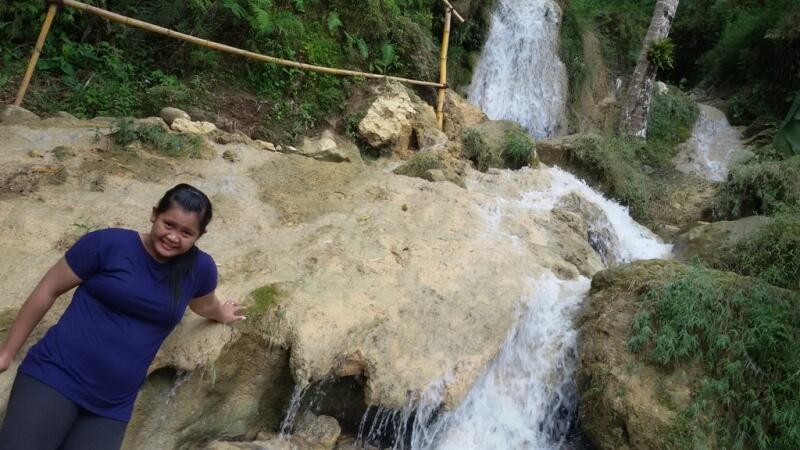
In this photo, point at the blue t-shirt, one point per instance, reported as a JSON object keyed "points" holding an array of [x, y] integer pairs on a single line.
{"points": [[98, 353]]}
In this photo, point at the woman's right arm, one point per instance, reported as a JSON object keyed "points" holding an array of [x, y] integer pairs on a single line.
{"points": [[58, 280]]}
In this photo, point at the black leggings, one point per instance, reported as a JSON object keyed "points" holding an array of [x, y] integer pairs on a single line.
{"points": [[39, 418]]}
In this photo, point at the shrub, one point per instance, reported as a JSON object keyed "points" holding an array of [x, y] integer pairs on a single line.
{"points": [[669, 123], [774, 252], [613, 163], [743, 332], [759, 187], [518, 149], [476, 150]]}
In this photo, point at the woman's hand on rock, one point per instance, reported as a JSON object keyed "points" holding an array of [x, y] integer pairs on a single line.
{"points": [[232, 311]]}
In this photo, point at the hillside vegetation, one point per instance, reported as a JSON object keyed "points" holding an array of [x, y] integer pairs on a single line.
{"points": [[90, 67]]}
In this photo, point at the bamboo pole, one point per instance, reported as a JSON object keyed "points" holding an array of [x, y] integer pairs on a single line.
{"points": [[233, 50], [443, 69], [452, 8], [37, 50]]}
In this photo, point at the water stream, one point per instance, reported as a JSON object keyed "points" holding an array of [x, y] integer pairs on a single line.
{"points": [[519, 76], [714, 145], [526, 397]]}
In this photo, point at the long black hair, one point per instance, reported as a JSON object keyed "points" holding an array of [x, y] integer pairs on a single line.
{"points": [[193, 200]]}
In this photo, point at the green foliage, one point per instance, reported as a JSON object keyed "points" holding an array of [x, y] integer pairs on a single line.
{"points": [[573, 27], [737, 43], [774, 253], [262, 300], [158, 139], [662, 54], [743, 333], [759, 187], [518, 149], [669, 123], [476, 150], [613, 162], [621, 25], [92, 68]]}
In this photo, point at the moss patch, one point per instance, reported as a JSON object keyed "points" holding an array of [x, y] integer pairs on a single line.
{"points": [[518, 149], [262, 300]]}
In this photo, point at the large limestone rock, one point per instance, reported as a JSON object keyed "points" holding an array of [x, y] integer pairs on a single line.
{"points": [[331, 148], [459, 115], [716, 244], [625, 403], [392, 280], [14, 115], [397, 121]]}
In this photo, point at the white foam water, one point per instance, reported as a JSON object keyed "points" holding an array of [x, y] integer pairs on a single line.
{"points": [[519, 75], [714, 145]]}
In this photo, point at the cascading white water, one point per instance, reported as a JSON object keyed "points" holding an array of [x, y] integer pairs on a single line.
{"points": [[713, 146], [526, 397], [519, 76]]}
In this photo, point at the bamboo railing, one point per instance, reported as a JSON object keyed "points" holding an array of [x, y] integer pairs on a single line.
{"points": [[114, 17]]}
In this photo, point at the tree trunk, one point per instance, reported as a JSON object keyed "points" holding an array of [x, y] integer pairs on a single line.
{"points": [[636, 105]]}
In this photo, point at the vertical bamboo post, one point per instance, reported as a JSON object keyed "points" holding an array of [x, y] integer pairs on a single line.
{"points": [[48, 20], [443, 68]]}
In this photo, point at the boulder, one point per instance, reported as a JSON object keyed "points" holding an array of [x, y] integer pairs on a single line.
{"points": [[599, 232], [231, 156], [187, 126], [169, 115], [625, 403], [397, 121], [316, 432], [268, 146], [459, 115], [484, 144], [434, 165], [225, 138], [716, 243], [14, 115], [328, 147], [151, 121]]}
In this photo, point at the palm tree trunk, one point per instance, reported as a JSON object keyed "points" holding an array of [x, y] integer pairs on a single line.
{"points": [[636, 105]]}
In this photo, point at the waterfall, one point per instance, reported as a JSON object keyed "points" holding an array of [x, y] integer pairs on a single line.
{"points": [[712, 148], [519, 76], [526, 397]]}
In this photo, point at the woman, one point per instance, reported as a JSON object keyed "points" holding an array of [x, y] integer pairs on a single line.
{"points": [[76, 387]]}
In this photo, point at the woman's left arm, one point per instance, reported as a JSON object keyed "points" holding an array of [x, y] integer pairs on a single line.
{"points": [[210, 307]]}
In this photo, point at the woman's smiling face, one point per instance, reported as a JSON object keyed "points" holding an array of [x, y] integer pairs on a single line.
{"points": [[174, 232]]}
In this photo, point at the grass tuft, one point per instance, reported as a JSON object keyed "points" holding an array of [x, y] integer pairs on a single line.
{"points": [[158, 139], [744, 333]]}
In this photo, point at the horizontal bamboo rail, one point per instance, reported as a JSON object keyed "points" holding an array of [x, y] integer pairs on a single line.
{"points": [[114, 17]]}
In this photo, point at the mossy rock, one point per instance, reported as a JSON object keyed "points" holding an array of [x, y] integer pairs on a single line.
{"points": [[433, 166], [500, 144], [662, 343]]}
